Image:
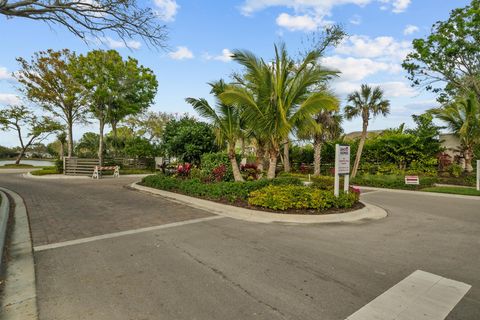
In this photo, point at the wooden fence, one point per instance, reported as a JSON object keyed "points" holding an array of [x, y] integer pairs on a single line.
{"points": [[79, 166]]}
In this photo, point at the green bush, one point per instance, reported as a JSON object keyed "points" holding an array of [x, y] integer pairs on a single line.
{"points": [[299, 197], [392, 182], [229, 191], [323, 182], [210, 161], [455, 170]]}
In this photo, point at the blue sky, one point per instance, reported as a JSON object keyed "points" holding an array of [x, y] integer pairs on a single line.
{"points": [[202, 33]]}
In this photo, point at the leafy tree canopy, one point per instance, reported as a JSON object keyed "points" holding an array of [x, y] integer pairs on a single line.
{"points": [[448, 60], [187, 139]]}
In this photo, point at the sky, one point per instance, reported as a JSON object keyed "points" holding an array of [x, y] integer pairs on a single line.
{"points": [[202, 35]]}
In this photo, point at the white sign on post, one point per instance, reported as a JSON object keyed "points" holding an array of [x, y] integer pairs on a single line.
{"points": [[342, 167]]}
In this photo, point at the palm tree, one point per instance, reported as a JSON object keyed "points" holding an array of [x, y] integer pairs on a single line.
{"points": [[463, 118], [366, 103], [226, 121], [276, 98], [330, 128]]}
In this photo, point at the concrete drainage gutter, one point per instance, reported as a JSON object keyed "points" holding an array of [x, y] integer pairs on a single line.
{"points": [[19, 300], [369, 212]]}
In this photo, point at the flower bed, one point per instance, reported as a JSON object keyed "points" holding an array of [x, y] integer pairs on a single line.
{"points": [[281, 194]]}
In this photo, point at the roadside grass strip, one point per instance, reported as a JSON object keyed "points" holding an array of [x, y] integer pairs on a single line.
{"points": [[454, 190], [421, 295]]}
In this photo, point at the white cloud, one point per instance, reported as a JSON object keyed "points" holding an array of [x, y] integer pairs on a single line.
{"points": [[226, 56], [356, 20], [167, 9], [397, 6], [117, 44], [357, 69], [181, 53], [9, 99], [4, 74], [397, 89], [410, 29], [296, 23], [310, 14], [379, 47]]}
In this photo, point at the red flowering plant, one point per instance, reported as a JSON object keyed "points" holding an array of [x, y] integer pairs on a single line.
{"points": [[183, 170], [355, 190], [219, 172], [304, 169], [250, 171]]}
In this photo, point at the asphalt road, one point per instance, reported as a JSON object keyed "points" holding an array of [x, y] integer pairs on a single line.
{"points": [[230, 269]]}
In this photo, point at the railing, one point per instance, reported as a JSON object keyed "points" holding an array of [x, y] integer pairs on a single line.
{"points": [[79, 166]]}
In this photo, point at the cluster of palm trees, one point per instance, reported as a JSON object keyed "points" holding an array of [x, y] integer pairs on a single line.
{"points": [[462, 117], [271, 101]]}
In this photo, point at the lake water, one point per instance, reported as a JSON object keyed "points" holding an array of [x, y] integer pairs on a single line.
{"points": [[37, 163]]}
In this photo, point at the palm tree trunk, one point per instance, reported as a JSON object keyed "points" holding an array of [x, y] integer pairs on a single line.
{"points": [[317, 156], [259, 157], [272, 166], [100, 142], [467, 154], [286, 156], [359, 151], [237, 176]]}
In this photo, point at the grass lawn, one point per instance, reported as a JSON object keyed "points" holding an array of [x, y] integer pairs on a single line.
{"points": [[16, 166], [454, 190]]}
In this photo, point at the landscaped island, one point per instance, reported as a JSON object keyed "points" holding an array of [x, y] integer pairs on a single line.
{"points": [[283, 194]]}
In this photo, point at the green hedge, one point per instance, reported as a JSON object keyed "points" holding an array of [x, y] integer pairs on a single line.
{"points": [[300, 197], [392, 182], [230, 191]]}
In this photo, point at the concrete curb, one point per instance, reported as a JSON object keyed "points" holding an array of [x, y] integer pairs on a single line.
{"points": [[422, 193], [28, 175], [19, 299], [4, 213], [370, 212]]}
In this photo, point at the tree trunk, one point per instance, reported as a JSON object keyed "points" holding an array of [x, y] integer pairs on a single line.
{"points": [[233, 161], [359, 151], [20, 156], [467, 154], [115, 141], [100, 143], [317, 156], [61, 152], [286, 156], [259, 157], [272, 166], [70, 140]]}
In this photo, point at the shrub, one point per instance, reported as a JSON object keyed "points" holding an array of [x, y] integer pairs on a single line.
{"points": [[219, 173], [59, 165], [323, 182], [210, 161], [299, 197], [455, 170], [229, 191], [250, 171], [183, 170], [392, 182]]}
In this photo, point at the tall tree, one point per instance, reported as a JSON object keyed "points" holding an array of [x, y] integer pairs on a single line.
{"points": [[188, 139], [21, 119], [366, 103], [329, 129], [447, 61], [62, 139], [126, 18], [115, 88], [226, 121], [149, 125], [48, 80], [463, 118], [276, 97]]}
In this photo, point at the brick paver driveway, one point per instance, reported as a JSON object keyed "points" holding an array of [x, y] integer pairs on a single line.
{"points": [[68, 209]]}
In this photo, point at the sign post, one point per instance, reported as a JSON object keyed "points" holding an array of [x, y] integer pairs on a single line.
{"points": [[478, 175], [342, 168]]}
